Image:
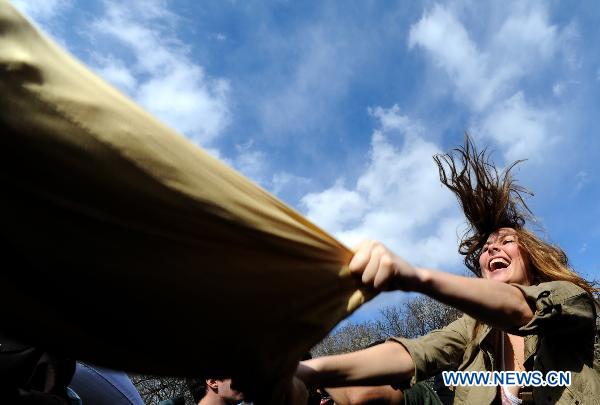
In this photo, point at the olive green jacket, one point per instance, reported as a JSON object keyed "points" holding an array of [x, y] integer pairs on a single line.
{"points": [[560, 337]]}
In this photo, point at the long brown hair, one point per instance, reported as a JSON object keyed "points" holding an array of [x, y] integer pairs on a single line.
{"points": [[492, 200], [549, 262]]}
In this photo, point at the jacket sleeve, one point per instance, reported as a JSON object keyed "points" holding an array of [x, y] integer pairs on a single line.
{"points": [[439, 350], [559, 307]]}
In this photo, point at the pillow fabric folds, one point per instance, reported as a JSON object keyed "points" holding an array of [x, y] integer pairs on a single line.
{"points": [[127, 246]]}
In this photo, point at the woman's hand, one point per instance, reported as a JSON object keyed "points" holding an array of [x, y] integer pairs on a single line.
{"points": [[377, 267], [382, 364]]}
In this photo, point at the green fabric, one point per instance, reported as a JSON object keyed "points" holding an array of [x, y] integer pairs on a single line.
{"points": [[421, 394], [115, 230], [559, 337]]}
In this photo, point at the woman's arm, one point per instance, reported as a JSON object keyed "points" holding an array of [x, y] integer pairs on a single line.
{"points": [[497, 304], [382, 364], [381, 395]]}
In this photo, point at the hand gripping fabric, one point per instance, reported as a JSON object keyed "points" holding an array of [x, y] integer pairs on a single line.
{"points": [[127, 246]]}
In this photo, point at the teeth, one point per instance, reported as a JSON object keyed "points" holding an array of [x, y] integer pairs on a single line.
{"points": [[498, 260]]}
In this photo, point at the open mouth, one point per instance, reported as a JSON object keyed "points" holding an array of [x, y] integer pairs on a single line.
{"points": [[498, 263]]}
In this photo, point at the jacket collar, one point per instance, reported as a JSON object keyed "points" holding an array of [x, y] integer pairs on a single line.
{"points": [[486, 337]]}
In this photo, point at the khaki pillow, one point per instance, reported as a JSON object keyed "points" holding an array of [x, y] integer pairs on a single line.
{"points": [[127, 246]]}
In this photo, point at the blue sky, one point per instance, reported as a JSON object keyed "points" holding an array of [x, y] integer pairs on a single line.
{"points": [[337, 106]]}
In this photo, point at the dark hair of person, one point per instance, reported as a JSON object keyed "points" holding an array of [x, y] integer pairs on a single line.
{"points": [[197, 387]]}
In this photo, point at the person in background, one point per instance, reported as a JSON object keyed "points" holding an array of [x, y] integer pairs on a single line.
{"points": [[213, 391]]}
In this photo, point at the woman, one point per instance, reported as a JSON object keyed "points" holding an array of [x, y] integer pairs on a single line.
{"points": [[526, 310]]}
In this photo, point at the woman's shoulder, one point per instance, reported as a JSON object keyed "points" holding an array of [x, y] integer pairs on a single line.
{"points": [[558, 306], [556, 289]]}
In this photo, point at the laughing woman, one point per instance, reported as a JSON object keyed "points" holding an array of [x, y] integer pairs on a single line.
{"points": [[526, 310]]}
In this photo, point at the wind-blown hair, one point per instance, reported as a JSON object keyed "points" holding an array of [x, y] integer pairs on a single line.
{"points": [[491, 200]]}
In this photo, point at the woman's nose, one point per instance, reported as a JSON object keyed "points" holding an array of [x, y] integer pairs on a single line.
{"points": [[493, 247]]}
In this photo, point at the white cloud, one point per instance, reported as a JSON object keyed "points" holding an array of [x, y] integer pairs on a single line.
{"points": [[335, 207], [526, 36], [446, 40], [255, 164], [482, 73], [48, 15], [293, 102], [323, 58], [487, 72], [283, 180], [391, 119], [218, 36], [581, 179], [252, 163], [187, 101], [114, 70], [40, 10], [558, 89], [162, 78], [398, 199], [521, 130]]}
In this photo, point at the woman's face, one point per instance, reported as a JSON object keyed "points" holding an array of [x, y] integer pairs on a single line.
{"points": [[501, 258]]}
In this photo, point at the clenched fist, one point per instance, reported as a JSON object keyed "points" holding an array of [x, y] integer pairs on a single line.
{"points": [[378, 267]]}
